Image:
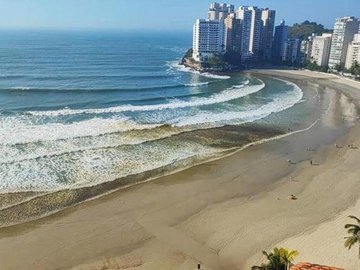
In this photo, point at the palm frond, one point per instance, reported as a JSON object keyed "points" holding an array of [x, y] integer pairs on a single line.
{"points": [[350, 241], [356, 218], [351, 226]]}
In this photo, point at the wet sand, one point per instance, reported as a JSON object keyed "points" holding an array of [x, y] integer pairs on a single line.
{"points": [[222, 213]]}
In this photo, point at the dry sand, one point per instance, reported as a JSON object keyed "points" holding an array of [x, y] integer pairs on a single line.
{"points": [[222, 213]]}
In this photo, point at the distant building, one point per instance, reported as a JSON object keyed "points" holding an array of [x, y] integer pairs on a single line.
{"points": [[244, 14], [353, 53], [291, 51], [320, 51], [309, 45], [255, 30], [279, 43], [208, 39], [344, 31], [219, 11], [248, 32], [233, 33], [267, 32]]}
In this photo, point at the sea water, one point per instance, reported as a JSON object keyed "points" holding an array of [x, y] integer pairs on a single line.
{"points": [[82, 108]]}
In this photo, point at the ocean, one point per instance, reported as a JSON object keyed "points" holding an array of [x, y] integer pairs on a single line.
{"points": [[78, 109]]}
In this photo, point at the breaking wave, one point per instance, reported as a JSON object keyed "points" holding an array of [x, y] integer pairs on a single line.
{"points": [[224, 96]]}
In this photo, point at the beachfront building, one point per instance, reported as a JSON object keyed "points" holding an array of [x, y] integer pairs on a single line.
{"points": [[208, 39], [244, 15], [320, 51], [233, 33], [248, 32], [257, 28], [344, 31], [353, 53], [291, 51], [267, 33], [279, 43], [219, 11]]}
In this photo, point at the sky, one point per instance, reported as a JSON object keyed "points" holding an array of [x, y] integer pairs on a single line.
{"points": [[155, 14]]}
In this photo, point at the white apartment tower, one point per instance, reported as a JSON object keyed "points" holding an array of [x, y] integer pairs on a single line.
{"points": [[320, 50], [344, 31], [244, 14], [255, 30], [208, 39], [353, 54]]}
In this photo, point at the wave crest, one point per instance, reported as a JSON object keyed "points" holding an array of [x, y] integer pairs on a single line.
{"points": [[224, 96]]}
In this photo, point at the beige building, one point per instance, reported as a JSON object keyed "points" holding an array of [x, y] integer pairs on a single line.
{"points": [[320, 49], [353, 53], [344, 31]]}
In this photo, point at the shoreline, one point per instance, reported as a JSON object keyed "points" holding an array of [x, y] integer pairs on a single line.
{"points": [[198, 214]]}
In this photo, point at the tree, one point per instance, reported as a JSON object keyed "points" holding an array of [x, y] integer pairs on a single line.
{"points": [[354, 232], [287, 256], [216, 61], [355, 69], [338, 67], [278, 259]]}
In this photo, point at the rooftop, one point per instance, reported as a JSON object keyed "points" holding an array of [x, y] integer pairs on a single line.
{"points": [[310, 266]]}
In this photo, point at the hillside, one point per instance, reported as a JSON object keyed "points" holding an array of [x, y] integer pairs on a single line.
{"points": [[305, 29]]}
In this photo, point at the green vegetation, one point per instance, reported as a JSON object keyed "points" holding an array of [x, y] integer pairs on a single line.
{"points": [[217, 61], [278, 259], [355, 69], [189, 53], [338, 68], [232, 57], [306, 29], [313, 66], [354, 232]]}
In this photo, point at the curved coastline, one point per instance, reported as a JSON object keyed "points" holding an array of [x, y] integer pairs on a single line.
{"points": [[235, 196]]}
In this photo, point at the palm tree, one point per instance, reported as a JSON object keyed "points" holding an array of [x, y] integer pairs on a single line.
{"points": [[278, 259], [287, 256], [354, 232]]}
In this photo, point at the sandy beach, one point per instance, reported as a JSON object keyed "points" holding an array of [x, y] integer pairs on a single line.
{"points": [[222, 213]]}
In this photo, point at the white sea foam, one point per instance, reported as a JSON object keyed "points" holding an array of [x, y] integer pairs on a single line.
{"points": [[23, 88], [177, 66], [224, 96], [77, 154], [26, 131], [93, 166], [280, 103], [196, 84]]}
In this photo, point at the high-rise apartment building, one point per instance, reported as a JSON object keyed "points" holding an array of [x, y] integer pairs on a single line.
{"points": [[353, 53], [344, 31], [320, 51], [248, 32], [279, 43], [291, 52], [219, 11], [267, 32], [257, 31], [208, 39], [233, 33], [244, 14]]}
